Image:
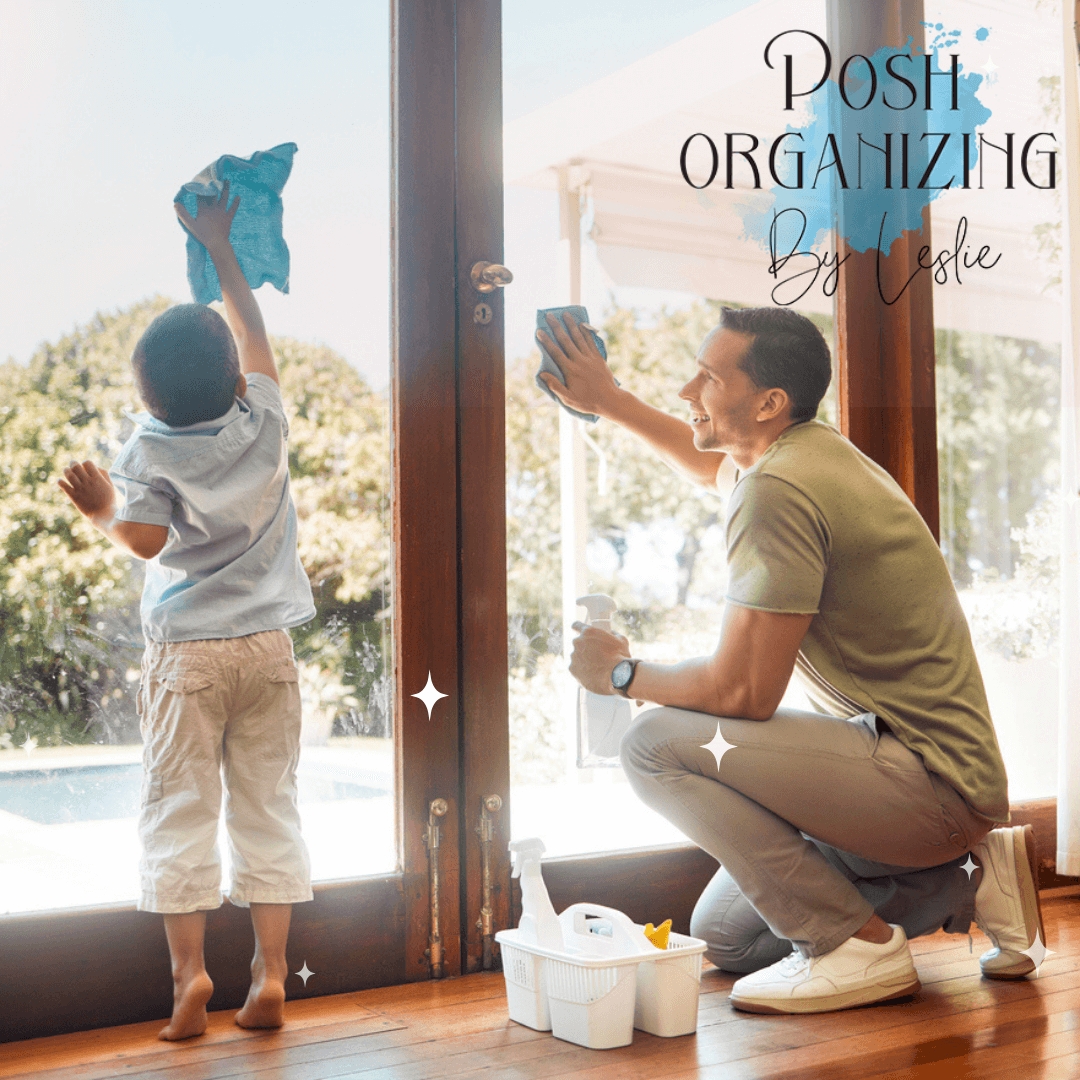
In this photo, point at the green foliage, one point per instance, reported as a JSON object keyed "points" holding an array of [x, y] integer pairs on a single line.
{"points": [[997, 409], [62, 588], [69, 636], [339, 460], [1019, 617], [69, 629]]}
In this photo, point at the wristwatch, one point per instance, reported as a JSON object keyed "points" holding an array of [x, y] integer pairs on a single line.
{"points": [[622, 675]]}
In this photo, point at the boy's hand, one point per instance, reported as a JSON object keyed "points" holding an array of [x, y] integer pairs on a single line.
{"points": [[211, 228], [90, 490], [215, 216]]}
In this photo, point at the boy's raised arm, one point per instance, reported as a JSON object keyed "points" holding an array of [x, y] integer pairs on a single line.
{"points": [[211, 228]]}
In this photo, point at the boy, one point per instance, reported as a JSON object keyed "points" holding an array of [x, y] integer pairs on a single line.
{"points": [[202, 492]]}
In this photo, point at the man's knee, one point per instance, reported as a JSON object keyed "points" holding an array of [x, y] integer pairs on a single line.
{"points": [[736, 937], [649, 731]]}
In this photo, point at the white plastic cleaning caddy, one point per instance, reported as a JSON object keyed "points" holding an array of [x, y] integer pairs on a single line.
{"points": [[604, 979]]}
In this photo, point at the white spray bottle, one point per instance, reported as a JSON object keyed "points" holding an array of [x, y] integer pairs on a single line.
{"points": [[538, 918], [603, 719]]}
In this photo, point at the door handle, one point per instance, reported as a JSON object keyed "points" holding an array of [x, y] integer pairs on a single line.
{"points": [[487, 277]]}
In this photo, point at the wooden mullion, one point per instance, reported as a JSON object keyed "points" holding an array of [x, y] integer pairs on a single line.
{"points": [[482, 467], [424, 437], [885, 354]]}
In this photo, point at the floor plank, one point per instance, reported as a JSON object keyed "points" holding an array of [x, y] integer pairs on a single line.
{"points": [[958, 1025]]}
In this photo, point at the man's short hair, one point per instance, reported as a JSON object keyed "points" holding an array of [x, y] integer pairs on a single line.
{"points": [[186, 365], [787, 351]]}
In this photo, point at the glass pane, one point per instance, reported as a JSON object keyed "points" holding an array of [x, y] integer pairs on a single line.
{"points": [[998, 387], [108, 108], [657, 261]]}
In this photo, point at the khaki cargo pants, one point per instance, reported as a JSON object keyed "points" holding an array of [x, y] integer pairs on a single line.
{"points": [[220, 706]]}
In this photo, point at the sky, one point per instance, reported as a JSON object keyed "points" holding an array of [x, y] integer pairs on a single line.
{"points": [[109, 106]]}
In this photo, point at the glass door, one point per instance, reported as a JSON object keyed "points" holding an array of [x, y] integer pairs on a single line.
{"points": [[367, 345]]}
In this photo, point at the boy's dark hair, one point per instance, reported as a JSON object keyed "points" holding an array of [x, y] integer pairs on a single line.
{"points": [[186, 365], [787, 351]]}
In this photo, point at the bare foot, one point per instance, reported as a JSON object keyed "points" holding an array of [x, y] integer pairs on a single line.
{"points": [[189, 1008], [265, 1005]]}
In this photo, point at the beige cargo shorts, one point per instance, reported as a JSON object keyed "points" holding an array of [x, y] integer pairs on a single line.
{"points": [[220, 707]]}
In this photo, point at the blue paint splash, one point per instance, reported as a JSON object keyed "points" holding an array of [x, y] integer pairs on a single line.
{"points": [[872, 215]]}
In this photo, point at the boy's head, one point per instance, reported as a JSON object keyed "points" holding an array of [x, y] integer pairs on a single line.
{"points": [[186, 366]]}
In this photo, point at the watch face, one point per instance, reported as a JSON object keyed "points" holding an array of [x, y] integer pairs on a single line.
{"points": [[621, 674]]}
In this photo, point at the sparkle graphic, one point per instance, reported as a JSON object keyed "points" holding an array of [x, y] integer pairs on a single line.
{"points": [[429, 695], [30, 745], [718, 746], [305, 972], [1038, 952], [970, 866], [990, 67]]}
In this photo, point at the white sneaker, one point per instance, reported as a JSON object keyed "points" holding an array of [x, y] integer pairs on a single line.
{"points": [[855, 973], [1007, 908]]}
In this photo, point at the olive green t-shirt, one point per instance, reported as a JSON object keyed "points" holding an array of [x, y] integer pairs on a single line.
{"points": [[817, 528]]}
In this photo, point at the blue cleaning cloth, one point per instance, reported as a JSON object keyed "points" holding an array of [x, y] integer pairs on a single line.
{"points": [[256, 230], [547, 364]]}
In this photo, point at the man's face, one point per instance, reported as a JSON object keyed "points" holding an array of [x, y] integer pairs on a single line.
{"points": [[724, 402]]}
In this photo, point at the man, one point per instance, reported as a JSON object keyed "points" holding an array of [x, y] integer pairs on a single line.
{"points": [[841, 832]]}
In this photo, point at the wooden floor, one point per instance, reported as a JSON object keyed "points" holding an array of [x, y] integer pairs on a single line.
{"points": [[958, 1025]]}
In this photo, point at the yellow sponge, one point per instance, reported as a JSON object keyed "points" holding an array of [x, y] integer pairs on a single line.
{"points": [[658, 935]]}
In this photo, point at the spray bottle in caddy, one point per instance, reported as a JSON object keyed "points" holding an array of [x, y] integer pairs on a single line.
{"points": [[603, 719], [538, 918]]}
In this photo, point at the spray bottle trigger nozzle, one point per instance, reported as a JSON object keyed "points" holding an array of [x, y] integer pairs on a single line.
{"points": [[599, 606], [524, 851]]}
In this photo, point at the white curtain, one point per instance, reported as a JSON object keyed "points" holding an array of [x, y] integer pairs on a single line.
{"points": [[1068, 821]]}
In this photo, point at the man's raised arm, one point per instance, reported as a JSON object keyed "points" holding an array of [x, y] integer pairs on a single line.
{"points": [[590, 387]]}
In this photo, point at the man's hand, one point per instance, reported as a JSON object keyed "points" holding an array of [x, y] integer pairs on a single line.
{"points": [[214, 221], [590, 386], [94, 496], [595, 654], [90, 490]]}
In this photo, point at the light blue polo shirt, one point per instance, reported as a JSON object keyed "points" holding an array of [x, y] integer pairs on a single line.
{"points": [[230, 565]]}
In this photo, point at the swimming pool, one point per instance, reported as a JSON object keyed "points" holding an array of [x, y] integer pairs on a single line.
{"points": [[105, 792]]}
